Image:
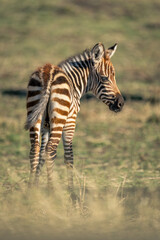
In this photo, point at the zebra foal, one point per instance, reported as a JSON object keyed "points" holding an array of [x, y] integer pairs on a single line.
{"points": [[53, 101]]}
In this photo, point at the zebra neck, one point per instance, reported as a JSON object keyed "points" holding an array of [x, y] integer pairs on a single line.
{"points": [[77, 69]]}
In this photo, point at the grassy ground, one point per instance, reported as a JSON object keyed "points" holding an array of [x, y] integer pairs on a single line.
{"points": [[116, 155]]}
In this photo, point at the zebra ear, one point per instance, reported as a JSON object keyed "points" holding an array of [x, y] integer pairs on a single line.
{"points": [[97, 52], [110, 51]]}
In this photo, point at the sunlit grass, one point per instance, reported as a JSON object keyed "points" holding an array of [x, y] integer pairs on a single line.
{"points": [[112, 212]]}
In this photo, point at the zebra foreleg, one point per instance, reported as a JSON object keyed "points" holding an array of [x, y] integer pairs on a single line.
{"points": [[68, 159], [68, 132]]}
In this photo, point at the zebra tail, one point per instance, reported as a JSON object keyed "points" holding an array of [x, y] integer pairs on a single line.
{"points": [[40, 107], [37, 111]]}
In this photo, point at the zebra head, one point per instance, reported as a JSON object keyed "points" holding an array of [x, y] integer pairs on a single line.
{"points": [[104, 77]]}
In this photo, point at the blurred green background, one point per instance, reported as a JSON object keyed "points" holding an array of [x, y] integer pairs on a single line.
{"points": [[108, 147]]}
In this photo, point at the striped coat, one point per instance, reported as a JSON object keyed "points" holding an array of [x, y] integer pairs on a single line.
{"points": [[53, 101]]}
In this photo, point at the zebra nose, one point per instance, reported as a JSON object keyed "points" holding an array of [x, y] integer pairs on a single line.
{"points": [[120, 101]]}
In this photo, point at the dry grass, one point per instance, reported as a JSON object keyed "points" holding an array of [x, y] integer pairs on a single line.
{"points": [[35, 214], [116, 183]]}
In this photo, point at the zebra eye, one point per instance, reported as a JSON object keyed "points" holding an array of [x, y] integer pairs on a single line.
{"points": [[104, 78]]}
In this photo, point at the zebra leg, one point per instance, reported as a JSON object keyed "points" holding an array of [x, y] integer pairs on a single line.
{"points": [[51, 152], [58, 110], [34, 150], [44, 141], [56, 128], [68, 132]]}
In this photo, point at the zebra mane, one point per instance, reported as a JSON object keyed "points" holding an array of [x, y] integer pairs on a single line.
{"points": [[74, 58]]}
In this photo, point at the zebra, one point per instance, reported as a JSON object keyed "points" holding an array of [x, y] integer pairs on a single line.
{"points": [[53, 102]]}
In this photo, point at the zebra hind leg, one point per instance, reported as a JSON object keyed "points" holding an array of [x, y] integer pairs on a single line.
{"points": [[44, 141], [51, 148], [51, 152], [34, 151]]}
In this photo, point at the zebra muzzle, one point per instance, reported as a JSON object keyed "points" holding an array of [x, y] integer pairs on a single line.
{"points": [[118, 104]]}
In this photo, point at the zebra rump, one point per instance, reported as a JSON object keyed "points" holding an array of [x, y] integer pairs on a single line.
{"points": [[43, 79]]}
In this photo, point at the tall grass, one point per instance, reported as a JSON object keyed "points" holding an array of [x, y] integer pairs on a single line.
{"points": [[107, 214]]}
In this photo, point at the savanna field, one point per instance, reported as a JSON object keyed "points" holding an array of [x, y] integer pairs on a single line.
{"points": [[117, 156]]}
